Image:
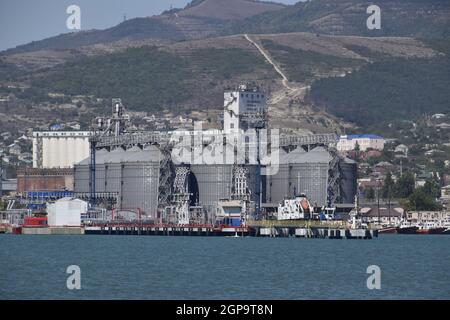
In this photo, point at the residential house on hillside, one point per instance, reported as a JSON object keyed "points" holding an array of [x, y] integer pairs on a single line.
{"points": [[365, 142], [401, 151]]}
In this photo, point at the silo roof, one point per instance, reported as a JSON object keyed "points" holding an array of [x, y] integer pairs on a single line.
{"points": [[317, 155], [100, 157], [135, 154]]}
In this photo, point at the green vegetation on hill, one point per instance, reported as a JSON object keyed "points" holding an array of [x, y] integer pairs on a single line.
{"points": [[387, 90], [303, 65], [143, 77], [147, 78], [8, 71]]}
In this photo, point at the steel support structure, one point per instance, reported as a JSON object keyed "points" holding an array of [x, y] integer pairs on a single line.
{"points": [[334, 178], [92, 169]]}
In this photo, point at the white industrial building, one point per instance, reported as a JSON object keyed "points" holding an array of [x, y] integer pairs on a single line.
{"points": [[365, 142], [242, 106], [66, 212], [59, 149]]}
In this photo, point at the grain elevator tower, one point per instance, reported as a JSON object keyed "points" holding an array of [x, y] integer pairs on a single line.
{"points": [[244, 108]]}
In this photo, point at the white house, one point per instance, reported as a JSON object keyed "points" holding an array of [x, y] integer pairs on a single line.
{"points": [[445, 193], [401, 149], [365, 142]]}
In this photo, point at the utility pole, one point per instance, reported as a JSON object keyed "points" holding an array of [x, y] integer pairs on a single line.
{"points": [[378, 202], [389, 204], [1, 175], [401, 167], [92, 168]]}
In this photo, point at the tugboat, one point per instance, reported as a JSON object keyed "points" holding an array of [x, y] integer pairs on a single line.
{"points": [[407, 228], [430, 228]]}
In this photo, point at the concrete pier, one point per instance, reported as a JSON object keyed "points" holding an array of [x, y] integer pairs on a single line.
{"points": [[53, 231], [173, 231], [254, 231], [324, 233]]}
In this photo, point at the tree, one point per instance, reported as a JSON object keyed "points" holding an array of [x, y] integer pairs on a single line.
{"points": [[419, 200], [432, 188], [370, 194], [357, 151], [405, 185], [388, 186]]}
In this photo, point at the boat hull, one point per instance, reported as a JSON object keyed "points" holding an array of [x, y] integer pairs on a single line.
{"points": [[387, 231], [432, 231], [407, 230], [16, 230]]}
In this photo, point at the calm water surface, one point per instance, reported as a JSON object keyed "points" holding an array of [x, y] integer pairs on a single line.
{"points": [[127, 267]]}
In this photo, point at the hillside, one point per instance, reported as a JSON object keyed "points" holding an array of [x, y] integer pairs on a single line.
{"points": [[348, 17], [388, 90], [199, 19], [318, 81], [228, 9], [188, 77], [210, 18], [150, 79]]}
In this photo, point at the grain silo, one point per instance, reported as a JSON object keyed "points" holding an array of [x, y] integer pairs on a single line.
{"points": [[277, 185], [82, 171], [140, 180], [133, 175], [308, 174], [348, 183]]}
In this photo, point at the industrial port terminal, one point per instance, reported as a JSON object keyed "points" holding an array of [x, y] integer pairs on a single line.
{"points": [[245, 179]]}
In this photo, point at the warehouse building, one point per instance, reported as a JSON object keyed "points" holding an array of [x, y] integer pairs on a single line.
{"points": [[36, 179]]}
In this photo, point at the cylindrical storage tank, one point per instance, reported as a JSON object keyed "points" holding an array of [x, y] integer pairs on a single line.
{"points": [[100, 177], [81, 178], [113, 177], [214, 183], [310, 179], [257, 187], [309, 174], [140, 187], [140, 180], [277, 185], [348, 184], [82, 173]]}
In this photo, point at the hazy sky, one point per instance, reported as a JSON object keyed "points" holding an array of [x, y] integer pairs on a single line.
{"points": [[23, 21]]}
